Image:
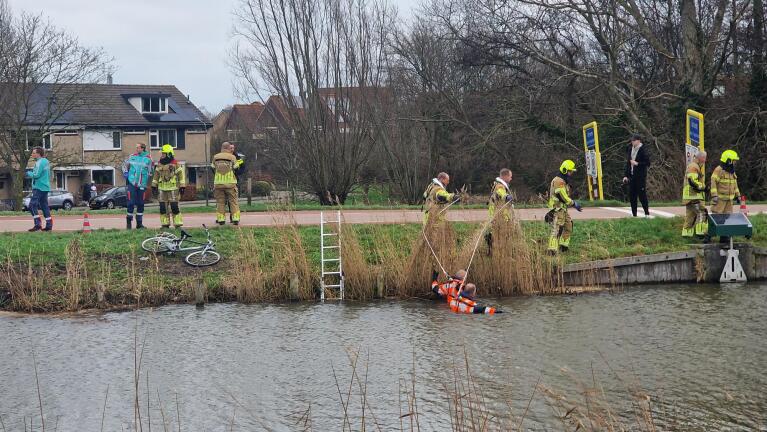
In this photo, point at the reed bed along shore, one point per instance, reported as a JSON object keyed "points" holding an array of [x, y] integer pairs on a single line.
{"points": [[53, 272]]}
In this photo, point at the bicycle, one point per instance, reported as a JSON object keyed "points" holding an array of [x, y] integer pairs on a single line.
{"points": [[204, 253]]}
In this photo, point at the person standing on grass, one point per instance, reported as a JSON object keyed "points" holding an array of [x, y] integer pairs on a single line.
{"points": [[635, 174], [137, 170], [437, 198], [225, 164], [41, 186]]}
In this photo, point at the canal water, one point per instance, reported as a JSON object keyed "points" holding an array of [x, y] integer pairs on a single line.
{"points": [[698, 351]]}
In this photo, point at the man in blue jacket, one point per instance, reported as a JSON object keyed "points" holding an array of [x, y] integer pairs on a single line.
{"points": [[41, 185], [137, 171]]}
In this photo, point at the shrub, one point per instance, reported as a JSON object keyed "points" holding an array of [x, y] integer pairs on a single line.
{"points": [[262, 188]]}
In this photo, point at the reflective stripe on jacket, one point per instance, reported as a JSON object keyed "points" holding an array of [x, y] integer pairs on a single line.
{"points": [[436, 195], [559, 194], [224, 165], [694, 184], [724, 184], [498, 196], [169, 177]]}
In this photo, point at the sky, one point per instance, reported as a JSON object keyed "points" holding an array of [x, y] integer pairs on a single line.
{"points": [[180, 42]]}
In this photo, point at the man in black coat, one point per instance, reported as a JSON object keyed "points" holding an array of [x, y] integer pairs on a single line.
{"points": [[637, 162]]}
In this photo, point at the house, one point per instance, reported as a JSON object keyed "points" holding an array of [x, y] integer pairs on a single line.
{"points": [[90, 141], [255, 128]]}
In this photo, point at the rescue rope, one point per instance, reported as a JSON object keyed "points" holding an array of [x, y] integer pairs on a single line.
{"points": [[423, 231], [448, 206], [476, 245]]}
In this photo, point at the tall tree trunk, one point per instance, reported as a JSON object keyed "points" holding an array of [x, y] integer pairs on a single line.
{"points": [[693, 66], [758, 77]]}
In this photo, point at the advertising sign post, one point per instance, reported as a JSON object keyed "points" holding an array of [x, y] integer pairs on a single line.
{"points": [[694, 136], [593, 161]]}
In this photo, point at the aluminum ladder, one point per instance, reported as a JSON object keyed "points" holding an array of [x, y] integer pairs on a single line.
{"points": [[331, 270]]}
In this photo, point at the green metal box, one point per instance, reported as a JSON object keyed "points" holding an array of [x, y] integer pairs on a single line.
{"points": [[729, 225]]}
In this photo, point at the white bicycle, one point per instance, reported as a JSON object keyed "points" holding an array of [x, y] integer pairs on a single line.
{"points": [[203, 254]]}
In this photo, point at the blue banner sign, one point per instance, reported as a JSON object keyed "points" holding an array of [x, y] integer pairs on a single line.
{"points": [[590, 142]]}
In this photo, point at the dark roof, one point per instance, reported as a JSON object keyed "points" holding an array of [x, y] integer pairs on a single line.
{"points": [[245, 116], [107, 105]]}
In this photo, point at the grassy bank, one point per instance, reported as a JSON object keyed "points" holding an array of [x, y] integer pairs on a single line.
{"points": [[66, 271]]}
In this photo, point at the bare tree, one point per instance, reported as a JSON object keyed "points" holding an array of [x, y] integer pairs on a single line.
{"points": [[324, 60], [42, 70]]}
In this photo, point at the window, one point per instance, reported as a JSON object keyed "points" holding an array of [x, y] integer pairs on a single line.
{"points": [[65, 132], [102, 140], [103, 176], [61, 180], [231, 134], [134, 131], [158, 138], [196, 131], [154, 104], [34, 140]]}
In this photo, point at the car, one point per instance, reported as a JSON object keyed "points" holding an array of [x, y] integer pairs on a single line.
{"points": [[57, 199], [110, 198]]}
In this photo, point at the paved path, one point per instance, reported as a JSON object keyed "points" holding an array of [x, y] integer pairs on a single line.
{"points": [[311, 217]]}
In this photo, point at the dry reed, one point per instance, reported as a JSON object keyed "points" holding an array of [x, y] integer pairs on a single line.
{"points": [[77, 273]]}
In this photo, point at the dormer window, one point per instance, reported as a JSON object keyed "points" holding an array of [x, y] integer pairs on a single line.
{"points": [[154, 104]]}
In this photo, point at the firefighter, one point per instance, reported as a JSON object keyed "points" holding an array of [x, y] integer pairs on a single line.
{"points": [[238, 171], [501, 194], [170, 179], [694, 197], [559, 201], [437, 198], [724, 184], [225, 184]]}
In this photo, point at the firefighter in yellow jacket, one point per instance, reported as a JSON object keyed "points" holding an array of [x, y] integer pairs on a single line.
{"points": [[694, 198], [170, 179], [559, 201], [501, 194], [437, 198], [225, 164], [724, 184]]}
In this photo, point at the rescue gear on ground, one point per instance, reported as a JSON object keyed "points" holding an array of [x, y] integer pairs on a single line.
{"points": [[436, 198]]}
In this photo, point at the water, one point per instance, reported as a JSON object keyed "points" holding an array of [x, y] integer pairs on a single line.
{"points": [[698, 350]]}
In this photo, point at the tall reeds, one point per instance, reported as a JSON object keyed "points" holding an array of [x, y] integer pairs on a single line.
{"points": [[77, 273]]}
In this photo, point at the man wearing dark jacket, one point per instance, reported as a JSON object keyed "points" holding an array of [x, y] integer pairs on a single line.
{"points": [[637, 162]]}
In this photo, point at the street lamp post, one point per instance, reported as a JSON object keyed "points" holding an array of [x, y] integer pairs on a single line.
{"points": [[207, 164]]}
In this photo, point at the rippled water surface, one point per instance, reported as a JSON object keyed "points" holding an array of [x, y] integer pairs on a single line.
{"points": [[700, 352]]}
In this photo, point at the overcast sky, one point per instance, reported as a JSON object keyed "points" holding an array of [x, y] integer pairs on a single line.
{"points": [[179, 42]]}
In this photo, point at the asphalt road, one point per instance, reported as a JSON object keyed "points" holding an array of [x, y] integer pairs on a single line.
{"points": [[312, 217]]}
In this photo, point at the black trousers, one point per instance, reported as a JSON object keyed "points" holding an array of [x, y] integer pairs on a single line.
{"points": [[638, 190]]}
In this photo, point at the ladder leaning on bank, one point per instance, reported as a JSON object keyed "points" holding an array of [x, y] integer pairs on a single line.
{"points": [[331, 270]]}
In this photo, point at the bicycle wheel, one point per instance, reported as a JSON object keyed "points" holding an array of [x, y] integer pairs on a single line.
{"points": [[157, 244], [202, 258]]}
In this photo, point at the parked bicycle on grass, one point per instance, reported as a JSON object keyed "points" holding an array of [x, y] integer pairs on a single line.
{"points": [[202, 254]]}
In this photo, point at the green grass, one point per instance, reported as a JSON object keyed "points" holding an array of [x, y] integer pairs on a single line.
{"points": [[592, 239]]}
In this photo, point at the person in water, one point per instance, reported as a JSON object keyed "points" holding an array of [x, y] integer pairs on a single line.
{"points": [[460, 300]]}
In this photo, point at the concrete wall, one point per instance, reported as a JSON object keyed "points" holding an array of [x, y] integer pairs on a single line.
{"points": [[703, 263]]}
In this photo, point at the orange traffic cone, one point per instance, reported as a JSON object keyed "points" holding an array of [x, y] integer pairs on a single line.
{"points": [[743, 208], [86, 224]]}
